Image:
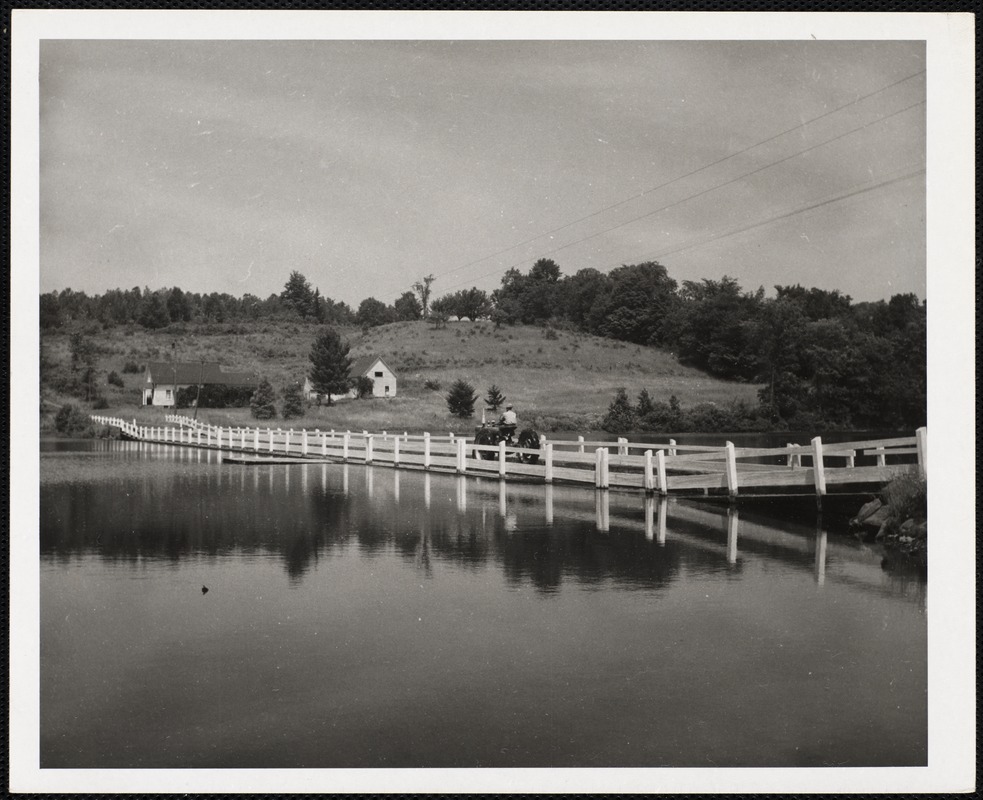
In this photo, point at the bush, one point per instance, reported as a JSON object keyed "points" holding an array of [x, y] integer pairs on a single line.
{"points": [[263, 401], [214, 395], [432, 384], [101, 402], [363, 386], [72, 421], [460, 399], [906, 498], [293, 401], [114, 379]]}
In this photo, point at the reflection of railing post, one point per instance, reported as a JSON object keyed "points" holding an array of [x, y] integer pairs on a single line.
{"points": [[663, 505], [548, 476], [921, 442], [820, 552], [732, 522], [649, 517], [426, 452], [462, 494], [602, 507], [549, 503]]}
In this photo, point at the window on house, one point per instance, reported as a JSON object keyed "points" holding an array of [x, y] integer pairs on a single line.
{"points": [[167, 394], [378, 374], [387, 388]]}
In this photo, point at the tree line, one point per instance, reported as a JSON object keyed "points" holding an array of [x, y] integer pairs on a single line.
{"points": [[821, 358]]}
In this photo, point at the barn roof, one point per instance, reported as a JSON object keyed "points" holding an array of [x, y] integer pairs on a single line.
{"points": [[194, 372], [362, 365]]}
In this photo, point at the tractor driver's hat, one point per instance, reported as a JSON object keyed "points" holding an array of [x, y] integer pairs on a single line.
{"points": [[508, 405]]}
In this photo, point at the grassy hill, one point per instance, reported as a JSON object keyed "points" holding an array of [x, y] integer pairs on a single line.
{"points": [[561, 383]]}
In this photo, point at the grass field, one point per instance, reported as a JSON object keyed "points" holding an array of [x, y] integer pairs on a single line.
{"points": [[561, 383]]}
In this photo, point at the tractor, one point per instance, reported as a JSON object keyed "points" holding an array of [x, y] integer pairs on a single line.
{"points": [[491, 433]]}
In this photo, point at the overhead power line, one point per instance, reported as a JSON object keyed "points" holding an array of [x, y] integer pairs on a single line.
{"points": [[802, 210], [702, 192], [705, 167]]}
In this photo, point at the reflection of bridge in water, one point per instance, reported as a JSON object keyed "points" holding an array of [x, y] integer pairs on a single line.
{"points": [[726, 533], [664, 469]]}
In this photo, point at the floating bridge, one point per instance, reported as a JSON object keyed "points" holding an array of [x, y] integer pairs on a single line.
{"points": [[684, 470]]}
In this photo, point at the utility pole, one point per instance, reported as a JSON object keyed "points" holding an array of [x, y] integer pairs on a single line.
{"points": [[201, 372]]}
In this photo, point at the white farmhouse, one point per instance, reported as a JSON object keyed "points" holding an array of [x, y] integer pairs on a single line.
{"points": [[372, 367]]}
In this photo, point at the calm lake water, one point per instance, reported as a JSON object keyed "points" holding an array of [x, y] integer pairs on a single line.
{"points": [[367, 617]]}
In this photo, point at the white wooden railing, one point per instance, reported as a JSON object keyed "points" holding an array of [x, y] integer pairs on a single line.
{"points": [[622, 464]]}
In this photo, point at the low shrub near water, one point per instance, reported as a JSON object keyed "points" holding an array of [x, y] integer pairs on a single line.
{"points": [[906, 498], [72, 421]]}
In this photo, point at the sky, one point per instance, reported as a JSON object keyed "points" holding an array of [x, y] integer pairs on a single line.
{"points": [[366, 165]]}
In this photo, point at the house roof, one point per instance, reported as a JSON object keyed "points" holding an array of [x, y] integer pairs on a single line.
{"points": [[362, 365], [194, 372]]}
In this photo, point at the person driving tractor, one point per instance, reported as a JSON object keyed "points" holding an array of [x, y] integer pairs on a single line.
{"points": [[508, 421]]}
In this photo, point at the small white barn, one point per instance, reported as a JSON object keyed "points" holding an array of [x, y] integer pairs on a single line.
{"points": [[372, 367], [164, 378]]}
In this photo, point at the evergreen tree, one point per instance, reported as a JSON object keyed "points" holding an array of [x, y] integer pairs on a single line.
{"points": [[460, 399], [644, 405], [494, 398], [263, 401], [330, 364], [621, 416], [293, 401]]}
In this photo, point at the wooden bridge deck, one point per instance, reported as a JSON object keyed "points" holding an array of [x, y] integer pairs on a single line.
{"points": [[663, 469]]}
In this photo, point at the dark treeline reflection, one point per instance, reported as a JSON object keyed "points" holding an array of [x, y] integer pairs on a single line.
{"points": [[304, 513]]}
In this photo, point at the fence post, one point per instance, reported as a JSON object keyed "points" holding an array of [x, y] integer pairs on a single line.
{"points": [[199, 437], [324, 445], [791, 455], [649, 478], [396, 450], [851, 459], [921, 442], [452, 437], [501, 458], [580, 444], [426, 450], [303, 442], [256, 439], [286, 441], [345, 441], [731, 471], [672, 447], [818, 469], [462, 465], [660, 460], [368, 448], [597, 467], [548, 477], [622, 446], [269, 435]]}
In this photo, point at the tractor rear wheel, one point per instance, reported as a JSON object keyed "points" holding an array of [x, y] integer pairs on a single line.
{"points": [[528, 440]]}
